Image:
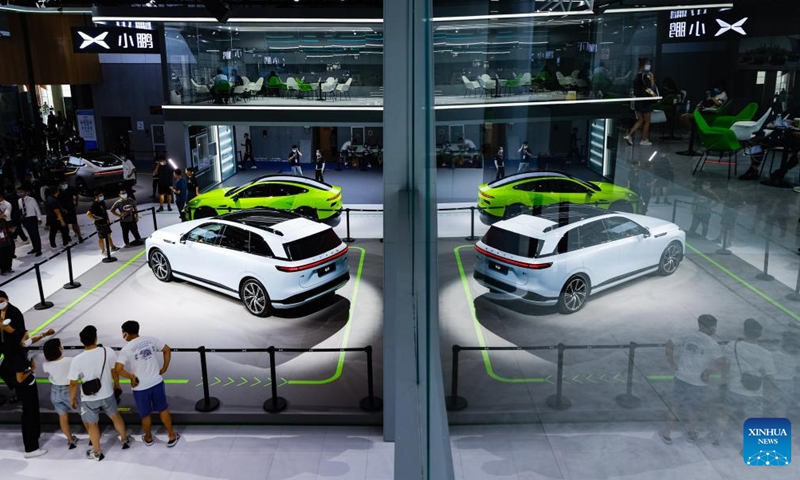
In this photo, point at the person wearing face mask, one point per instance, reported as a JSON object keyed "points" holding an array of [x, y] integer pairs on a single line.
{"points": [[128, 175], [319, 167], [125, 209], [704, 201], [56, 218], [69, 207], [145, 371], [499, 164], [31, 219], [98, 212], [7, 245], [179, 189], [644, 86], [294, 161]]}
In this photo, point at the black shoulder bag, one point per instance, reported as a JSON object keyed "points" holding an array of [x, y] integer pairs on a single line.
{"points": [[93, 386], [749, 381]]}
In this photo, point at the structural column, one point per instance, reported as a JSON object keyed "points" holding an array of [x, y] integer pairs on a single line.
{"points": [[414, 412]]}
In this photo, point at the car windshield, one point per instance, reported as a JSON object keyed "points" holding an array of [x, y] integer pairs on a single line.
{"points": [[313, 245], [104, 161], [512, 243]]}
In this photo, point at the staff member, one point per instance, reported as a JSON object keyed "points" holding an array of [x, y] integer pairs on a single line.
{"points": [[192, 188], [31, 219], [499, 164], [319, 167], [294, 161], [98, 212], [248, 152], [18, 373], [128, 175], [179, 189]]}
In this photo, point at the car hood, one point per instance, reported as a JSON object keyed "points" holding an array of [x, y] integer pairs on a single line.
{"points": [[174, 232]]}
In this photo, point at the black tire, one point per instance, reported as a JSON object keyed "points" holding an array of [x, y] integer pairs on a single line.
{"points": [[255, 298], [160, 266], [516, 210], [621, 206], [671, 259], [204, 212], [574, 294]]}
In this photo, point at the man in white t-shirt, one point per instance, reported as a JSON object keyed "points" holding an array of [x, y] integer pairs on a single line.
{"points": [[344, 152], [145, 373], [748, 366], [96, 363], [128, 175], [787, 369], [693, 357]]}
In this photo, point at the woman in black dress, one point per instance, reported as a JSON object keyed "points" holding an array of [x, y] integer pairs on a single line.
{"points": [[643, 87]]}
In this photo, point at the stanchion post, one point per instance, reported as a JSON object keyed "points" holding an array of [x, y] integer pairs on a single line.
{"points": [[155, 221], [453, 401], [275, 404], [795, 296], [43, 304], [472, 236], [207, 403], [72, 283], [765, 274], [348, 238], [724, 250], [370, 403], [674, 210], [628, 399], [559, 401], [108, 258]]}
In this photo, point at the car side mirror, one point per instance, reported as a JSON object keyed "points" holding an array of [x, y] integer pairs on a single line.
{"points": [[183, 238], [646, 234], [235, 198]]}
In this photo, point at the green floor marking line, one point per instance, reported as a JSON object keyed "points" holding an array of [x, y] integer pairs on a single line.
{"points": [[177, 381], [739, 279], [479, 330], [86, 294], [347, 328]]}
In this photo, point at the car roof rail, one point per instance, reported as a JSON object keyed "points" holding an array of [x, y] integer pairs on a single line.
{"points": [[263, 218]]}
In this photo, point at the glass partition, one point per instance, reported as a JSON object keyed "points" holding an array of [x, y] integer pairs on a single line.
{"points": [[272, 64]]}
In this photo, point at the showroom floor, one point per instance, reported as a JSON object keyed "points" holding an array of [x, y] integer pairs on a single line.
{"points": [[499, 387]]}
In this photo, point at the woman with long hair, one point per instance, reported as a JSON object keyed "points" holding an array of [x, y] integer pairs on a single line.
{"points": [[643, 87]]}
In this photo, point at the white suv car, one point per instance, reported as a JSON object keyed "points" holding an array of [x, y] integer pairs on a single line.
{"points": [[267, 258], [568, 252]]}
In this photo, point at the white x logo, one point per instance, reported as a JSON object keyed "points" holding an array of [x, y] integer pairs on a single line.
{"points": [[736, 27], [99, 40]]}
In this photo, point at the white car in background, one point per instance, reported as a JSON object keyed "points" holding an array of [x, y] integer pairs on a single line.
{"points": [[267, 258], [569, 252]]}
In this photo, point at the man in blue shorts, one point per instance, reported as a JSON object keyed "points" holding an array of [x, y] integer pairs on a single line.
{"points": [[141, 356]]}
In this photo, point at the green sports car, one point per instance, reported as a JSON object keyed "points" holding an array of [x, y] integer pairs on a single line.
{"points": [[524, 192], [307, 197]]}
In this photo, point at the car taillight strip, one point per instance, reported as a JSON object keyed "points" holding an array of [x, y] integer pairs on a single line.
{"points": [[334, 197], [112, 172], [312, 265], [534, 266], [484, 194]]}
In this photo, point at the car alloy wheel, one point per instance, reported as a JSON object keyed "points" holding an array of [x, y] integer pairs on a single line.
{"points": [[670, 259], [574, 294], [255, 298], [160, 266]]}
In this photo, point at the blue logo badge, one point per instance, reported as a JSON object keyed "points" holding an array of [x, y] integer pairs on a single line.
{"points": [[767, 442]]}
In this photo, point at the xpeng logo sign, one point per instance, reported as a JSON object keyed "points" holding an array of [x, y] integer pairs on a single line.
{"points": [[767, 442], [89, 40], [735, 27]]}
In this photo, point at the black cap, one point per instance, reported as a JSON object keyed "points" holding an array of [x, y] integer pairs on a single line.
{"points": [[3, 294], [752, 328], [707, 321]]}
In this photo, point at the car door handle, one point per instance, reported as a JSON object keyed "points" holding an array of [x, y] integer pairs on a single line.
{"points": [[659, 235]]}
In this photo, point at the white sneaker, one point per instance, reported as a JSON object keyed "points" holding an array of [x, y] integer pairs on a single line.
{"points": [[796, 189], [628, 139], [645, 143], [36, 453], [253, 168]]}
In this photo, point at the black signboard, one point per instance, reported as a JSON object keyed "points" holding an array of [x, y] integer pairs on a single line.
{"points": [[114, 40], [702, 24]]}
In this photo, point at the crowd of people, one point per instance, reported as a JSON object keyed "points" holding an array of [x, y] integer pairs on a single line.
{"points": [[88, 384]]}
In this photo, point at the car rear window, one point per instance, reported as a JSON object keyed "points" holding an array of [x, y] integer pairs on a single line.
{"points": [[512, 243], [104, 161], [313, 245]]}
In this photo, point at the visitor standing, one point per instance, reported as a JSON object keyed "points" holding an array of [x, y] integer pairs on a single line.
{"points": [[145, 372], [319, 167], [126, 210], [294, 161]]}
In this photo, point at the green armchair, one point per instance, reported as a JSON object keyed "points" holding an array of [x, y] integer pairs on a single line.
{"points": [[276, 86], [746, 114], [716, 139], [304, 87]]}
